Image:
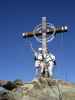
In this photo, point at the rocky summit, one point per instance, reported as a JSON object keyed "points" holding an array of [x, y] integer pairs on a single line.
{"points": [[39, 89]]}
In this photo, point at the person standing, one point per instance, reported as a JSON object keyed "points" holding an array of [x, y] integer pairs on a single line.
{"points": [[50, 62], [39, 64]]}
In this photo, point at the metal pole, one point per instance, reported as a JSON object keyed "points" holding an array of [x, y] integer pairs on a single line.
{"points": [[44, 40]]}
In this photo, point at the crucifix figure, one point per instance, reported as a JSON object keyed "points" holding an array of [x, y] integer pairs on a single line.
{"points": [[44, 33]]}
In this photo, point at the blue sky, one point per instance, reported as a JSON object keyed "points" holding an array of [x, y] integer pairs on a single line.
{"points": [[17, 16]]}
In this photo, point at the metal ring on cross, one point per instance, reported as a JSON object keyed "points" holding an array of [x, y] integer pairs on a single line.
{"points": [[38, 29]]}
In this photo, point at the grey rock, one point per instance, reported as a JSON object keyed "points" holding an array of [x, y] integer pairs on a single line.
{"points": [[40, 89]]}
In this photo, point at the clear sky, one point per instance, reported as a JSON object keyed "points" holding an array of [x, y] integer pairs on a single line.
{"points": [[17, 16]]}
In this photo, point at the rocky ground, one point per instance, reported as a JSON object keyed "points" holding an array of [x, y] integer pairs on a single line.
{"points": [[40, 89]]}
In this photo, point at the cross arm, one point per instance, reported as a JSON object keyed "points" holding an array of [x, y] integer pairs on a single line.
{"points": [[49, 31]]}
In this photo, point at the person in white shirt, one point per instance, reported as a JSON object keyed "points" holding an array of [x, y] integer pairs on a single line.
{"points": [[50, 62], [39, 61], [39, 64]]}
